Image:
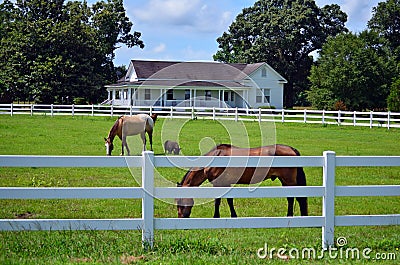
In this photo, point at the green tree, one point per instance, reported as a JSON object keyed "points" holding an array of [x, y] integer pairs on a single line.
{"points": [[354, 69], [386, 21], [52, 51], [282, 33], [393, 100]]}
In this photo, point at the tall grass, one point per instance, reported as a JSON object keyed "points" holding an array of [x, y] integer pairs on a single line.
{"points": [[43, 135]]}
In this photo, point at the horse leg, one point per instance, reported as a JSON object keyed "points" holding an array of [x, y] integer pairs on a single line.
{"points": [[123, 144], [150, 133], [290, 201], [217, 203], [143, 135], [303, 205], [230, 203]]}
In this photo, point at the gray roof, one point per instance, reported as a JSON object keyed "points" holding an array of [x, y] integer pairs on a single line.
{"points": [[192, 70], [205, 74]]}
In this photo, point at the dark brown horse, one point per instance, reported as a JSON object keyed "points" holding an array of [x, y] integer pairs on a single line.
{"points": [[225, 177], [131, 125]]}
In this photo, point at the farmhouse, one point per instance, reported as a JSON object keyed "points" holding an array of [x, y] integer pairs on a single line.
{"points": [[198, 84]]}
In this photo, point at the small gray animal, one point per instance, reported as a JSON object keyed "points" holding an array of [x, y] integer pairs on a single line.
{"points": [[171, 147]]}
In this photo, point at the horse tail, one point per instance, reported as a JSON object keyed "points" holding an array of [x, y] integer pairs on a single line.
{"points": [[154, 117], [301, 177], [150, 122], [301, 181]]}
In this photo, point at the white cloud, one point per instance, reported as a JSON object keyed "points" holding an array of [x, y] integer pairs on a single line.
{"points": [[193, 15], [159, 48]]}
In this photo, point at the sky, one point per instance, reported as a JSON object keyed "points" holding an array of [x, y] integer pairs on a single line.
{"points": [[186, 30]]}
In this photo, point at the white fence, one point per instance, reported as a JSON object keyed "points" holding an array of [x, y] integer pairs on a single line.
{"points": [[148, 193], [352, 118]]}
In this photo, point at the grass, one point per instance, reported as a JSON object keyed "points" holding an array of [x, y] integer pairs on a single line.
{"points": [[43, 135]]}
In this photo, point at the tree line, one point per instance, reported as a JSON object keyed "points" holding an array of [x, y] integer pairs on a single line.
{"points": [[60, 51], [52, 51], [353, 71]]}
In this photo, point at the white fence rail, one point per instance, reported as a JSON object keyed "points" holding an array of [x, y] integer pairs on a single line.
{"points": [[352, 118], [148, 192]]}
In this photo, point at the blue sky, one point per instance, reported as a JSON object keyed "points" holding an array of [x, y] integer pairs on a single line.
{"points": [[186, 30]]}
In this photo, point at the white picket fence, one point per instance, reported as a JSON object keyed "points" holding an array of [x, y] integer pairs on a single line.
{"points": [[352, 118], [148, 193]]}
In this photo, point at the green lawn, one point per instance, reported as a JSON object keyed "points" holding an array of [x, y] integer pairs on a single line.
{"points": [[43, 135]]}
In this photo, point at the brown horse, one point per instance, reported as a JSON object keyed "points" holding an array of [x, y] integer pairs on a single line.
{"points": [[225, 177], [131, 125]]}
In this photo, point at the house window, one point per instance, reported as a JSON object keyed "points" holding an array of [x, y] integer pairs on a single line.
{"points": [[208, 94], [263, 96], [187, 94], [117, 94], [170, 94], [147, 94], [259, 96], [267, 95], [263, 72], [226, 95], [232, 96]]}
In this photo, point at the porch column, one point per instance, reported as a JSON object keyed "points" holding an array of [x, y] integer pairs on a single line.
{"points": [[219, 98], [194, 97]]}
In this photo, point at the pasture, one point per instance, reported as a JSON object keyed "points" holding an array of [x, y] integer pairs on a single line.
{"points": [[43, 135]]}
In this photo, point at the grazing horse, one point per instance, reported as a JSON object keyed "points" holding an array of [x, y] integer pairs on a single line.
{"points": [[131, 125], [225, 177]]}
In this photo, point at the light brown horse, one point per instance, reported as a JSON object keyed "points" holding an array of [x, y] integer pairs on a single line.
{"points": [[225, 177], [131, 125]]}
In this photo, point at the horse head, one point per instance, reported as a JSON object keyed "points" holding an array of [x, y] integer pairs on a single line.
{"points": [[109, 146], [184, 206]]}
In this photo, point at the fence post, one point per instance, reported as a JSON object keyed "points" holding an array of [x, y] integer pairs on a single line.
{"points": [[11, 109], [31, 109], [73, 110], [236, 114], [388, 120], [148, 199], [213, 110], [323, 117], [259, 115], [305, 115], [339, 120], [371, 118], [52, 110], [92, 110], [354, 118], [283, 115], [328, 202]]}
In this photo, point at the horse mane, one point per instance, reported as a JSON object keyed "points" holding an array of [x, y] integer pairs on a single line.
{"points": [[114, 129]]}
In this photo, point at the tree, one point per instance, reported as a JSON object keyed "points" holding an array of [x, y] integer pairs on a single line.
{"points": [[386, 21], [393, 100], [282, 33], [354, 69], [52, 51]]}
